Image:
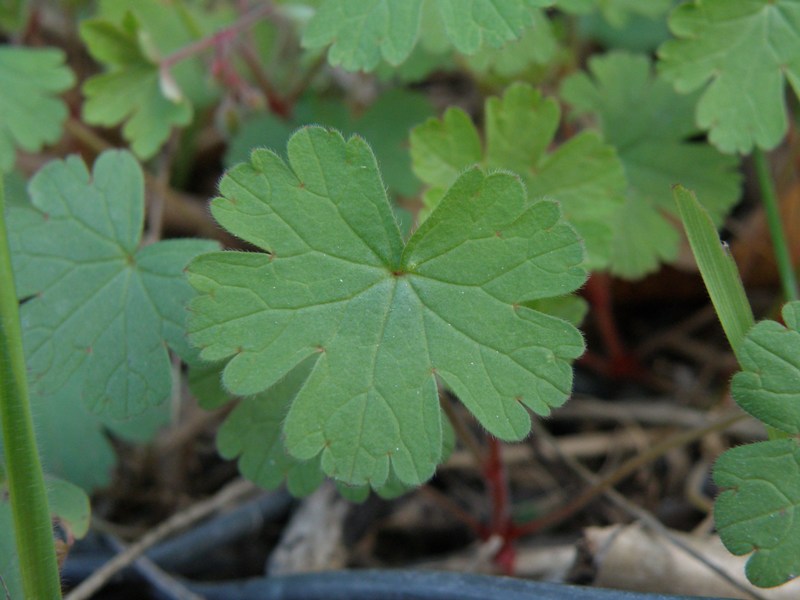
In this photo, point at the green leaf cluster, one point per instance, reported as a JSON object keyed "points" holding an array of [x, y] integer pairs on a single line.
{"points": [[583, 174], [380, 320]]}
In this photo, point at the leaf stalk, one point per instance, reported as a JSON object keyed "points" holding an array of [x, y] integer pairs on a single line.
{"points": [[769, 197]]}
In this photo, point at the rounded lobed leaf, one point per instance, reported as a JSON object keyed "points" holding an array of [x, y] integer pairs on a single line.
{"points": [[379, 320], [757, 510], [768, 387], [743, 53]]}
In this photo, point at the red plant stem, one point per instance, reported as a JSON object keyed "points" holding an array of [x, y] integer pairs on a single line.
{"points": [[277, 104], [498, 487], [497, 480], [598, 292], [219, 37]]}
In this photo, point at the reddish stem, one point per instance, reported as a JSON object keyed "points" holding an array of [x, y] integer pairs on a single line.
{"points": [[219, 37], [622, 363], [497, 481]]}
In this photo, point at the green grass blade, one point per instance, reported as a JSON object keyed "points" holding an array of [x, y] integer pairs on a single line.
{"points": [[34, 536], [717, 268]]}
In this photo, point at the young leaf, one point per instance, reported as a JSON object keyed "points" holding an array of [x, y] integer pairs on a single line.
{"points": [[384, 320], [361, 33], [758, 510], [768, 387], [651, 126], [30, 113], [99, 310], [742, 52], [132, 89], [583, 174]]}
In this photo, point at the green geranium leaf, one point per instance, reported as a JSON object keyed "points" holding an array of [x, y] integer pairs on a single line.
{"points": [[758, 510], [100, 310], [768, 387], [363, 33], [133, 90], [741, 52], [583, 174], [31, 114], [383, 320], [651, 126]]}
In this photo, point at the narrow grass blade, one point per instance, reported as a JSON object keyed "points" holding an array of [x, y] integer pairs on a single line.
{"points": [[717, 268]]}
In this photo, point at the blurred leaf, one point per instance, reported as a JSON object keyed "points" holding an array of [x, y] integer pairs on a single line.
{"points": [[385, 125], [583, 174], [618, 12], [652, 128], [537, 45], [13, 14], [132, 90], [31, 114], [383, 321], [740, 53], [363, 33]]}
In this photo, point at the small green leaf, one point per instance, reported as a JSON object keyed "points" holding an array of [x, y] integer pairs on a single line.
{"points": [[652, 127], [31, 114], [363, 33], [383, 320], [253, 432], [583, 174], [132, 90], [741, 53], [758, 510], [768, 387], [101, 311]]}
